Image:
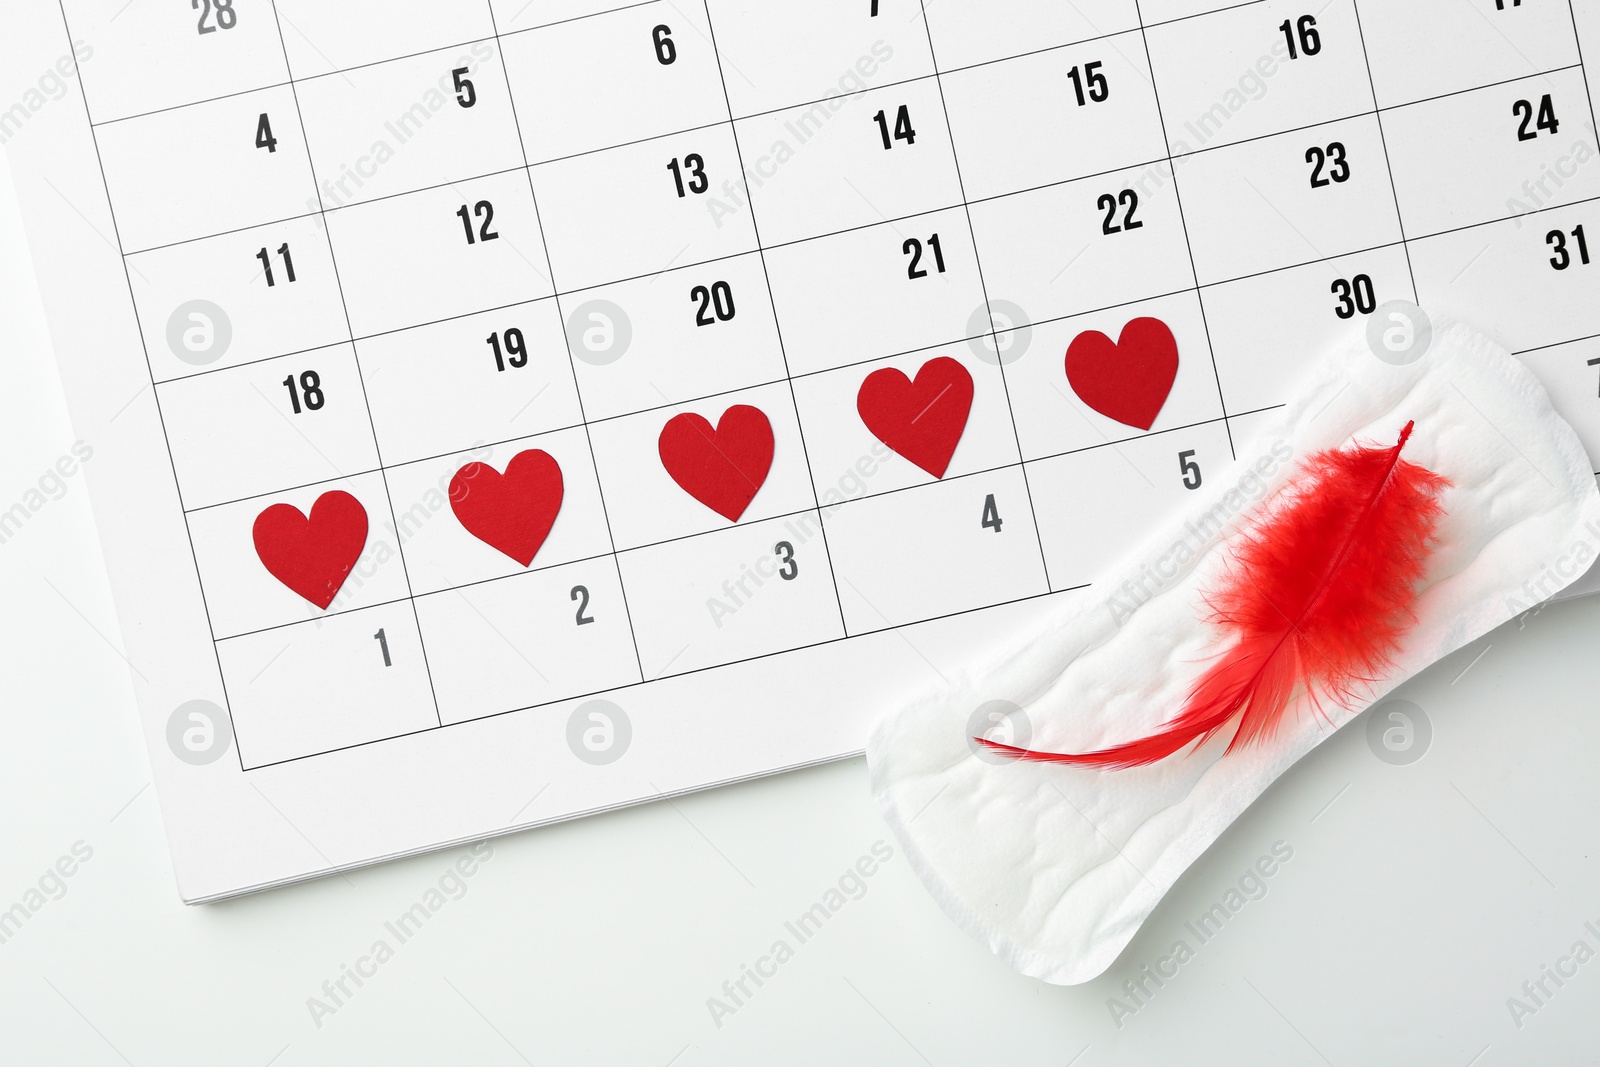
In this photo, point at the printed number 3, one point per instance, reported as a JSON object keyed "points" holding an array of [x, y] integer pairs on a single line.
{"points": [[227, 17]]}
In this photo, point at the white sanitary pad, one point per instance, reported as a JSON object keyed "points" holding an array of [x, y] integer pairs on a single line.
{"points": [[1055, 868]]}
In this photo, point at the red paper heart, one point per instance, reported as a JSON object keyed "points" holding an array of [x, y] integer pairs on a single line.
{"points": [[514, 511], [313, 556], [722, 468], [923, 420], [1128, 379]]}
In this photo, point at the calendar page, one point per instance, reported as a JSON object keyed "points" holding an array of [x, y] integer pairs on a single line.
{"points": [[506, 410]]}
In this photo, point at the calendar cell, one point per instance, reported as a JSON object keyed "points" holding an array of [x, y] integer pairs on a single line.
{"points": [[833, 48], [460, 383], [236, 298], [644, 208], [1530, 281], [754, 590], [1094, 243], [321, 38], [1490, 41], [935, 550], [968, 34], [1265, 329], [204, 52], [692, 332], [410, 124], [322, 686], [650, 506], [1052, 419], [1293, 198], [849, 161], [276, 423], [1572, 374], [1511, 148], [640, 72], [1071, 112], [207, 169], [1258, 69], [881, 290], [466, 247], [845, 452], [528, 640], [1149, 479], [243, 597], [437, 503]]}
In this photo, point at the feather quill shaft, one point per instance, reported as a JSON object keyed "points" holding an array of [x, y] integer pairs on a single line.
{"points": [[1316, 598]]}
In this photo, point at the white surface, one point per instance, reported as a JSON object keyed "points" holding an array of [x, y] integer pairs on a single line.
{"points": [[1418, 900]]}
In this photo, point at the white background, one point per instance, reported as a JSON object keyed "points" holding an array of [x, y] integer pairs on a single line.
{"points": [[1418, 899]]}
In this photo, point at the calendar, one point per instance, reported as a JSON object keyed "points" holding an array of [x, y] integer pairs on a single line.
{"points": [[509, 410]]}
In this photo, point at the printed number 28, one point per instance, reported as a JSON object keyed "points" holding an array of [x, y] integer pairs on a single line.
{"points": [[227, 17]]}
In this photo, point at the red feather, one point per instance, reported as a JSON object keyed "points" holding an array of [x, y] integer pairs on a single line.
{"points": [[1317, 598]]}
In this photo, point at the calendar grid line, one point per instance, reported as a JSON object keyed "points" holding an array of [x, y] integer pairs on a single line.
{"points": [[777, 324], [1188, 245], [572, 366], [1588, 90], [1108, 443], [530, 165], [1078, 42], [1230, 280], [161, 417], [983, 285], [372, 425], [1383, 144], [757, 658]]}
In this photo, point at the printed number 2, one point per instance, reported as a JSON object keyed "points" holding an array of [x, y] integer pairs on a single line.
{"points": [[580, 597], [227, 17]]}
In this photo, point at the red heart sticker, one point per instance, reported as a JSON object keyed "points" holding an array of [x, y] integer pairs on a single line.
{"points": [[1128, 379], [922, 420], [722, 468], [514, 511], [313, 556]]}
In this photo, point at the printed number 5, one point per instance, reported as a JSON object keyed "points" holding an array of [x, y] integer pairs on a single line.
{"points": [[1191, 470]]}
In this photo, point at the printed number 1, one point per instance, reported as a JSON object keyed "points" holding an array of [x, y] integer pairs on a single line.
{"points": [[383, 644]]}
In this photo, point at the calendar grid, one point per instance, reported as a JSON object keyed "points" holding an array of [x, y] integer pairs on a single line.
{"points": [[803, 375], [571, 363], [161, 417], [360, 377], [382, 469], [993, 333], [1188, 246], [755, 226]]}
